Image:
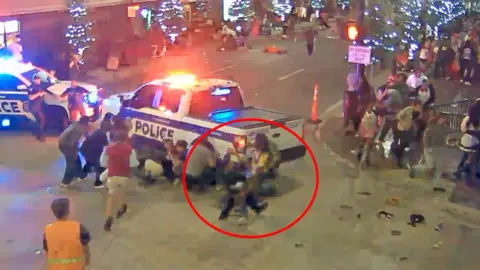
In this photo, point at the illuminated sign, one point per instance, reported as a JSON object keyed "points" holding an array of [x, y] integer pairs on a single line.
{"points": [[221, 92]]}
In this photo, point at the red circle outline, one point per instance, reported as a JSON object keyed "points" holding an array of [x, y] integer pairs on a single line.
{"points": [[258, 236]]}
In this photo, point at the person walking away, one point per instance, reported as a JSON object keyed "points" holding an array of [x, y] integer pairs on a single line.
{"points": [[92, 149], [404, 131], [68, 144], [36, 102], [310, 34], [75, 96], [65, 241], [443, 61], [118, 164], [368, 130], [468, 61], [433, 144], [201, 159]]}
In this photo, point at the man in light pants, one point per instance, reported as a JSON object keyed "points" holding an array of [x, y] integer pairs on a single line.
{"points": [[433, 144]]}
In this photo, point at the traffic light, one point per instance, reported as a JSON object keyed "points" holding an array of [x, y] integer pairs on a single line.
{"points": [[351, 31]]}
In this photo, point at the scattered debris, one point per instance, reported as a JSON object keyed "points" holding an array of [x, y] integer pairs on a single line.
{"points": [[439, 227], [402, 258], [416, 219], [341, 218], [299, 245], [385, 215], [344, 206], [359, 216], [38, 252], [9, 241], [395, 232], [364, 193], [438, 244], [392, 201]]}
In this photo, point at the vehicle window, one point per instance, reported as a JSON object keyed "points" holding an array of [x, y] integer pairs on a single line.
{"points": [[144, 96], [47, 79], [9, 82], [170, 100], [206, 102]]}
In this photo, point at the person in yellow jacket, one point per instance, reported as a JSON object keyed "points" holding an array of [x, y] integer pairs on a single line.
{"points": [[65, 241]]}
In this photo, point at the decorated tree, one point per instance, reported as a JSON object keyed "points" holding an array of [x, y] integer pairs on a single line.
{"points": [[409, 18], [240, 10], [282, 8], [343, 3], [170, 18], [78, 32], [317, 4], [203, 7], [440, 13], [382, 37]]}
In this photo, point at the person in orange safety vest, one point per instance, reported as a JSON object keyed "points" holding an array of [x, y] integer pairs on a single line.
{"points": [[65, 241]]}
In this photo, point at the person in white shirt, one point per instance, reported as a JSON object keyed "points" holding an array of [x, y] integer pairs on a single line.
{"points": [[16, 49], [416, 79]]}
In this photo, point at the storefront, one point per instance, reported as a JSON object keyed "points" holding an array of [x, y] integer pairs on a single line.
{"points": [[9, 29]]}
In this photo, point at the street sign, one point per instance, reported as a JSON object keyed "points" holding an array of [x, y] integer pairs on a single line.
{"points": [[359, 55]]}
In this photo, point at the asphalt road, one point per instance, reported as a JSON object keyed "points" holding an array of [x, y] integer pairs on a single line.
{"points": [[161, 232]]}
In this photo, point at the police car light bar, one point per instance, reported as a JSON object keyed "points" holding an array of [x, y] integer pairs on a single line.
{"points": [[221, 92], [181, 80], [12, 66]]}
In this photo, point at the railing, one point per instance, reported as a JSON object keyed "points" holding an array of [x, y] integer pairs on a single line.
{"points": [[454, 113]]}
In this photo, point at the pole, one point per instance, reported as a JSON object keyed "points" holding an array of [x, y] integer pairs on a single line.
{"points": [[361, 23]]}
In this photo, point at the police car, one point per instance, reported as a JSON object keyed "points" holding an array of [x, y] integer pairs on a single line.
{"points": [[182, 107], [16, 78]]}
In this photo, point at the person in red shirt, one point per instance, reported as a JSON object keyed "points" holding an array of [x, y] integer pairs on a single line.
{"points": [[118, 165]]}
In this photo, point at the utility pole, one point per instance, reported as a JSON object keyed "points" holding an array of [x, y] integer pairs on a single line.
{"points": [[360, 18]]}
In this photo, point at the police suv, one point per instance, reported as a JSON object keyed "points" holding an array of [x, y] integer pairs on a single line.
{"points": [[182, 107], [17, 77]]}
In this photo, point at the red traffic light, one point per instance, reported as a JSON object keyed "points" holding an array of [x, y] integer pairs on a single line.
{"points": [[352, 32]]}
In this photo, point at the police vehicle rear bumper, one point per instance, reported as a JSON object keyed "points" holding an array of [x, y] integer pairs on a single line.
{"points": [[293, 153]]}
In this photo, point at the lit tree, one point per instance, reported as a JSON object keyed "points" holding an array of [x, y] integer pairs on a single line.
{"points": [[382, 36], [203, 7], [282, 8], [78, 32], [241, 10], [317, 4], [170, 18], [410, 12]]}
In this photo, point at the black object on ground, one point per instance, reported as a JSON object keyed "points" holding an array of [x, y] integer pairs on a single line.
{"points": [[416, 219], [365, 193], [384, 214], [299, 245], [344, 206], [395, 232]]}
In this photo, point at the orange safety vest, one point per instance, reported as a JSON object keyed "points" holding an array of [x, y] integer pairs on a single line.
{"points": [[65, 251]]}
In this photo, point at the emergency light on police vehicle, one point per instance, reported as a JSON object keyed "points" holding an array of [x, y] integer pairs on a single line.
{"points": [[221, 92], [5, 122], [92, 98]]}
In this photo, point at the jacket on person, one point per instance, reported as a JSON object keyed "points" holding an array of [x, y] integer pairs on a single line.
{"points": [[65, 250], [93, 145], [405, 118], [69, 140]]}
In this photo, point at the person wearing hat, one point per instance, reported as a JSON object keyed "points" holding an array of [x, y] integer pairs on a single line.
{"points": [[36, 104], [65, 241], [68, 144]]}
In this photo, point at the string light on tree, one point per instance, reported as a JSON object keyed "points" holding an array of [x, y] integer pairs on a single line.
{"points": [[78, 32], [343, 3], [170, 18], [240, 10], [203, 7], [282, 8]]}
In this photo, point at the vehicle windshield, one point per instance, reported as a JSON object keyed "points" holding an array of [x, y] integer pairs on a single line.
{"points": [[206, 102], [47, 79]]}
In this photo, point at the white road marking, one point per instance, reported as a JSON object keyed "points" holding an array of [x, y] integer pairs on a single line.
{"points": [[290, 75], [224, 68]]}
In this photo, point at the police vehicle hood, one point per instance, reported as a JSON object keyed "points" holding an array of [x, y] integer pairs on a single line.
{"points": [[60, 87]]}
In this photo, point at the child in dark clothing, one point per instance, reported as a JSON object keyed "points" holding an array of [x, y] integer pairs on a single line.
{"points": [[92, 149]]}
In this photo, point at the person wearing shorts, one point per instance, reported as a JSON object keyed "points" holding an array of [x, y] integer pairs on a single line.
{"points": [[118, 166]]}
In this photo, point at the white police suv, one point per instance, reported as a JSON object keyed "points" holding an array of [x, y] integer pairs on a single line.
{"points": [[16, 78], [182, 107]]}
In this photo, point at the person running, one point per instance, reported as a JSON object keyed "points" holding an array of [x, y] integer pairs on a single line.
{"points": [[92, 149], [65, 241], [118, 164], [68, 144]]}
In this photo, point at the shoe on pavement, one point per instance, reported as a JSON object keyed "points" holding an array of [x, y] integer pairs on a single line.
{"points": [[108, 224], [243, 221], [41, 139], [98, 185], [76, 181], [223, 217], [177, 182], [468, 83], [439, 189], [122, 211], [62, 185], [261, 208], [411, 174]]}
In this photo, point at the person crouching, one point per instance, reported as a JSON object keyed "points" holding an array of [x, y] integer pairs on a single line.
{"points": [[118, 165]]}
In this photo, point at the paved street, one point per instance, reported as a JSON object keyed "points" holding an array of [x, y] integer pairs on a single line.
{"points": [[161, 232]]}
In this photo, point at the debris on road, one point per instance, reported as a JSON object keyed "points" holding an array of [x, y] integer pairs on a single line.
{"points": [[359, 216], [344, 206], [438, 244], [392, 201], [416, 219], [364, 193], [402, 258], [299, 245], [385, 215], [439, 227], [395, 232]]}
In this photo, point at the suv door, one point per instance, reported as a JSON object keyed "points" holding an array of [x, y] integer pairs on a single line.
{"points": [[13, 96]]}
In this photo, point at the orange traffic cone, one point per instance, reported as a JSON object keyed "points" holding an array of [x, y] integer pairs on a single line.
{"points": [[314, 122]]}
